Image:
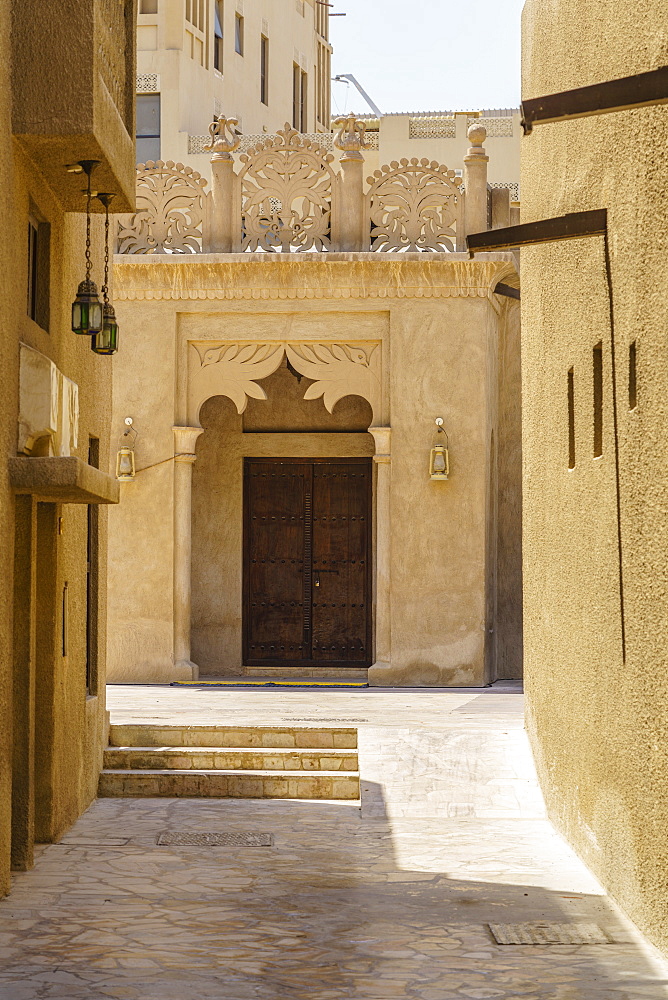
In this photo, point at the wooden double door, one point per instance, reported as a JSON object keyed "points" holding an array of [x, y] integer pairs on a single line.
{"points": [[307, 546]]}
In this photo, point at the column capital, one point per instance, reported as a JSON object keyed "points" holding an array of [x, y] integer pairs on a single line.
{"points": [[382, 437], [185, 439]]}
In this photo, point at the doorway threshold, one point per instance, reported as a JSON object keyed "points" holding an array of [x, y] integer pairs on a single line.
{"points": [[272, 682]]}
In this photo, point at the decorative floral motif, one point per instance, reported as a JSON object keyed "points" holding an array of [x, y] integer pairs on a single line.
{"points": [[232, 370], [224, 137], [338, 370], [351, 135], [414, 205], [170, 208], [286, 187]]}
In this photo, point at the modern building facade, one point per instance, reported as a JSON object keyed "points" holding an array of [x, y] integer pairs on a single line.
{"points": [[263, 62], [595, 380], [55, 406]]}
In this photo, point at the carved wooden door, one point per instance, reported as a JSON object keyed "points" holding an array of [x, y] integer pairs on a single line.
{"points": [[306, 562]]}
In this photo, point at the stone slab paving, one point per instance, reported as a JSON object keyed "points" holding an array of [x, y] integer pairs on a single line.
{"points": [[390, 901]]}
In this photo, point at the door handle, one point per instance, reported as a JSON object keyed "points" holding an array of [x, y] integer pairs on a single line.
{"points": [[316, 580]]}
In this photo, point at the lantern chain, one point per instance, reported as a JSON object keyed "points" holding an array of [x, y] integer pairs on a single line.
{"points": [[105, 286], [89, 262]]}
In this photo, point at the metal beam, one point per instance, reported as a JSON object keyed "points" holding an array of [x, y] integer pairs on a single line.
{"points": [[638, 91], [507, 290], [563, 227]]}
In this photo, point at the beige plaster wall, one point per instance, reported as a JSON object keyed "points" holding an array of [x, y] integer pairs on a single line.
{"points": [[436, 327], [51, 732], [598, 719]]}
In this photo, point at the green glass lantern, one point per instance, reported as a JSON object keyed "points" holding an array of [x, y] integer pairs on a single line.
{"points": [[106, 341], [87, 309]]}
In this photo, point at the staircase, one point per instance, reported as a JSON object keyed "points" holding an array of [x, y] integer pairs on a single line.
{"points": [[258, 762]]}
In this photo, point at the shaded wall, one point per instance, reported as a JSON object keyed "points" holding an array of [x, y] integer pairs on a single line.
{"points": [[597, 712]]}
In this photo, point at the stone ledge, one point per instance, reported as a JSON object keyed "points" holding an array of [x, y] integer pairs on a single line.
{"points": [[62, 480]]}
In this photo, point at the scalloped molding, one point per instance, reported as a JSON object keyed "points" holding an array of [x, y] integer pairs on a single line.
{"points": [[193, 279]]}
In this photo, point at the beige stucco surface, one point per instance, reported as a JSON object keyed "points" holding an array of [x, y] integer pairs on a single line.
{"points": [[430, 324], [598, 719]]}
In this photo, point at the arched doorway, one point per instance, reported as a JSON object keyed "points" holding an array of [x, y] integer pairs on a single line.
{"points": [[282, 532]]}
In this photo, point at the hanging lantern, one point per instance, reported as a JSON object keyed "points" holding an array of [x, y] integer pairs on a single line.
{"points": [[125, 457], [125, 464], [106, 341], [87, 308], [439, 459]]}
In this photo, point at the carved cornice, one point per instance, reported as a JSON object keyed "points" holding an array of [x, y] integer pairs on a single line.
{"points": [[201, 277]]}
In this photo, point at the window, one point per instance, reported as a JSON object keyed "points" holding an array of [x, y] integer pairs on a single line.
{"points": [[39, 254], [239, 34], [148, 127], [571, 419], [633, 392], [148, 7], [296, 95], [264, 70], [218, 35], [598, 399], [303, 109]]}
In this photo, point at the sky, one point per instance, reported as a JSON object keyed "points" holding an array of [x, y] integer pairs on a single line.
{"points": [[427, 55]]}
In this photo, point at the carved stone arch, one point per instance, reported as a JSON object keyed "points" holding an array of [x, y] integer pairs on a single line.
{"points": [[286, 194], [234, 370]]}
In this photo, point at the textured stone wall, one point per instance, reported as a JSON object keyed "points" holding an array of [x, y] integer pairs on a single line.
{"points": [[598, 719]]}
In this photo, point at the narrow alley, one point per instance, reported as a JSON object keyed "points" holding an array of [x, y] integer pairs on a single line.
{"points": [[399, 898]]}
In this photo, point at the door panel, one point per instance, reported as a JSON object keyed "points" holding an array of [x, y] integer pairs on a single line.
{"points": [[340, 523], [306, 562], [275, 551]]}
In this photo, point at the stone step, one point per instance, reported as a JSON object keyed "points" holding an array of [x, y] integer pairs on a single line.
{"points": [[229, 784], [230, 759], [248, 737]]}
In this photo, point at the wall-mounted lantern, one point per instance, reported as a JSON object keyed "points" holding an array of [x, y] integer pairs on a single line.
{"points": [[106, 341], [439, 459], [125, 458], [87, 309]]}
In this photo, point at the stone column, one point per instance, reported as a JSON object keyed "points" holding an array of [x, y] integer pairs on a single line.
{"points": [[475, 182], [382, 459], [185, 439], [351, 224], [224, 224]]}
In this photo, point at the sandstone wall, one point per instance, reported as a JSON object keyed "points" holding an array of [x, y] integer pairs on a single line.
{"points": [[597, 718]]}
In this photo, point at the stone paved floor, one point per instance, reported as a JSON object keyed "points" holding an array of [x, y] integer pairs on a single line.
{"points": [[392, 902]]}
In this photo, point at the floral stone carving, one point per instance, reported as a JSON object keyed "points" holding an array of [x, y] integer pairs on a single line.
{"points": [[414, 205], [338, 370], [170, 209], [286, 189], [233, 370]]}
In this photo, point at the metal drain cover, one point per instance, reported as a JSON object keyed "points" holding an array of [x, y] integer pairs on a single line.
{"points": [[170, 839], [542, 933]]}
